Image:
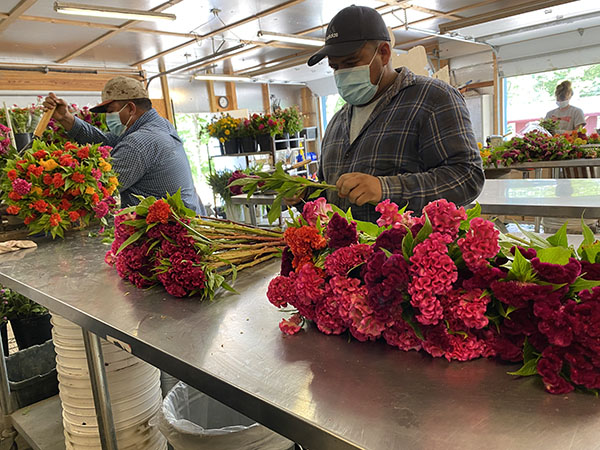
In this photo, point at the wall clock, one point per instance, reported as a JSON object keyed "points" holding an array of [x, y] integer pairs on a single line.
{"points": [[223, 101]]}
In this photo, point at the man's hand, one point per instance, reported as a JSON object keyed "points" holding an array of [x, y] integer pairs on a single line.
{"points": [[61, 113], [360, 188]]}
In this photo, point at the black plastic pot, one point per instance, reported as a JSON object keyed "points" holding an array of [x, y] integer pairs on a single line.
{"points": [[32, 330], [265, 142], [248, 144], [294, 140], [230, 147], [4, 333], [23, 140], [282, 137]]}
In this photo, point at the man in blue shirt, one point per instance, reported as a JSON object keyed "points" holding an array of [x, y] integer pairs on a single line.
{"points": [[148, 155]]}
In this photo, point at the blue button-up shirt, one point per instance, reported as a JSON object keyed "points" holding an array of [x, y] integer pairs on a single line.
{"points": [[148, 157]]}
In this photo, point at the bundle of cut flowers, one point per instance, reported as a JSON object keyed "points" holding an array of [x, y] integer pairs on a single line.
{"points": [[56, 188], [7, 151], [448, 284], [163, 242], [580, 137], [536, 146]]}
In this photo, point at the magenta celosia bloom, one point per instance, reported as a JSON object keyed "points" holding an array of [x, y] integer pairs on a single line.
{"points": [[101, 210], [104, 151], [364, 326], [328, 319], [342, 291], [386, 280], [557, 273], [590, 271], [341, 261], [281, 291], [389, 213], [317, 209], [21, 186], [527, 253], [433, 273], [445, 217], [340, 232], [236, 190], [401, 335], [518, 293], [133, 264], [479, 244], [183, 277], [464, 348], [287, 258], [292, 325], [549, 367], [466, 309], [391, 239]]}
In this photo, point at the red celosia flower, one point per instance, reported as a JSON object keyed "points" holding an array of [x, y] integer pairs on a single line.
{"points": [[281, 291], [389, 213], [57, 180], [95, 199], [549, 367], [29, 219], [159, 211], [78, 177], [40, 206], [35, 170], [55, 219], [70, 146], [76, 192], [401, 335], [310, 289], [73, 216], [302, 241], [341, 261], [317, 209], [12, 175], [83, 152], [13, 209], [391, 239], [40, 154], [47, 179], [14, 196], [65, 205], [56, 153]]}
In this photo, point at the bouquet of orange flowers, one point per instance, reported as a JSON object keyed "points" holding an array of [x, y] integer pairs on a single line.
{"points": [[53, 189]]}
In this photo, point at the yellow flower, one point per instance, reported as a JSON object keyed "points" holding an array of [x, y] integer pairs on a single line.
{"points": [[111, 189], [49, 165], [485, 154], [105, 167], [90, 190], [36, 190], [113, 180], [479, 145], [222, 140], [227, 132]]}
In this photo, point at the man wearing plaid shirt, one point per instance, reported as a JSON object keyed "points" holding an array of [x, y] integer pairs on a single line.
{"points": [[148, 155], [400, 136]]}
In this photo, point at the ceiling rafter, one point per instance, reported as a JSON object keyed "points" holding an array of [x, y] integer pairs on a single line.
{"points": [[112, 33], [410, 5], [500, 14], [14, 14], [304, 54], [248, 19], [104, 26]]}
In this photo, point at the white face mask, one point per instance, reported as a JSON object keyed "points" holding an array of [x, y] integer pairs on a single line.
{"points": [[114, 124], [563, 104], [354, 84]]}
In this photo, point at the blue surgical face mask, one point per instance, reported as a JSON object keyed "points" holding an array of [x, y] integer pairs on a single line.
{"points": [[354, 84], [114, 124], [563, 104]]}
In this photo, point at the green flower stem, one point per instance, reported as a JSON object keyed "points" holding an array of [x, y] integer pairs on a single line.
{"points": [[518, 239], [251, 263], [217, 224]]}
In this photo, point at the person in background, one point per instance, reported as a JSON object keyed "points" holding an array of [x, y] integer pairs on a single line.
{"points": [[148, 155], [569, 117], [400, 136]]}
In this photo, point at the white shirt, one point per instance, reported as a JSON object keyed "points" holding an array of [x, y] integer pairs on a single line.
{"points": [[569, 118], [360, 115]]}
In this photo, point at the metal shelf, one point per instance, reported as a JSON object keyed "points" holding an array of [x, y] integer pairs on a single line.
{"points": [[41, 424]]}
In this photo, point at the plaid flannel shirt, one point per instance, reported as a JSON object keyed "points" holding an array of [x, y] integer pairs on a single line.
{"points": [[148, 157], [418, 141]]}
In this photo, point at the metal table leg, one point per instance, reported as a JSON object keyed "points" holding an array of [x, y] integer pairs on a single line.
{"points": [[252, 214], [7, 432], [95, 360]]}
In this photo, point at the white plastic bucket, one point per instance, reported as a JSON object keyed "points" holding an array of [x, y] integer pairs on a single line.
{"points": [[134, 388]]}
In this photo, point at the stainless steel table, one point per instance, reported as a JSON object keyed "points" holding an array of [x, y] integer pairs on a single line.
{"points": [[325, 392], [251, 203], [561, 197], [537, 166]]}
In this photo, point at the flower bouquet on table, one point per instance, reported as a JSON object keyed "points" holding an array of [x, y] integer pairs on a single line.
{"points": [[292, 119], [54, 189], [7, 151], [163, 242], [550, 125], [449, 284], [57, 135], [224, 128]]}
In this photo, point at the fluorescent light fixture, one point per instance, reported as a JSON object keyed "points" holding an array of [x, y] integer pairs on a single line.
{"points": [[224, 77], [291, 38], [455, 37], [107, 11]]}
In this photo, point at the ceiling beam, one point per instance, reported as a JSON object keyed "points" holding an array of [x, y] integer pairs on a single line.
{"points": [[283, 59], [433, 12], [248, 19], [500, 14], [112, 33], [14, 14]]}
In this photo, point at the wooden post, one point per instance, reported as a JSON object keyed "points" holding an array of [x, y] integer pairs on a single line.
{"points": [[165, 91], [266, 98], [496, 99], [212, 99]]}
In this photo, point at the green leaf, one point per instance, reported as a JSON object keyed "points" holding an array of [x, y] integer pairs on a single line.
{"points": [[368, 228], [407, 246], [131, 239], [555, 255], [275, 211], [521, 268], [588, 234], [135, 223], [425, 231], [228, 287], [408, 316], [528, 352], [316, 193], [581, 284], [528, 369], [559, 239], [535, 239], [387, 253]]}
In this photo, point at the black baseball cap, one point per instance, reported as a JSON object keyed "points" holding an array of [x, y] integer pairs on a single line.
{"points": [[349, 30]]}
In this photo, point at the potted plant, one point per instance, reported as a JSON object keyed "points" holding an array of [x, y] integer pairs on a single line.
{"points": [[266, 126], [30, 322], [247, 134], [292, 123], [24, 121], [218, 182], [226, 130]]}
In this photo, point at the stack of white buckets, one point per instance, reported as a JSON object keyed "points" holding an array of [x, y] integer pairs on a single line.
{"points": [[133, 385]]}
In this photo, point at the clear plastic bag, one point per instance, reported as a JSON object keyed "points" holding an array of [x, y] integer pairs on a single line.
{"points": [[191, 420]]}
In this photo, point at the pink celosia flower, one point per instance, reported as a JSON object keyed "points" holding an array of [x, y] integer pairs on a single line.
{"points": [[317, 209], [341, 261], [479, 244], [292, 325], [389, 213], [281, 291], [401, 335], [21, 186], [445, 217]]}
